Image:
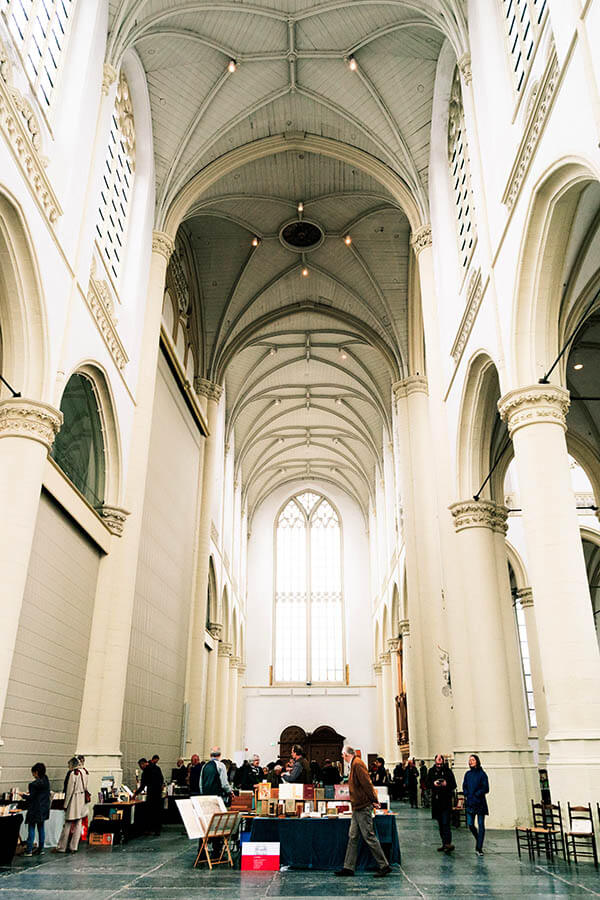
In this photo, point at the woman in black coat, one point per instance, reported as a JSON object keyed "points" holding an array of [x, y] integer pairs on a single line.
{"points": [[475, 787], [38, 807], [442, 784]]}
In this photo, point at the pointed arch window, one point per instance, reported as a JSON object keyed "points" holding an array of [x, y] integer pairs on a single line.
{"points": [[309, 614], [40, 30], [460, 173], [524, 20], [79, 445], [117, 182]]}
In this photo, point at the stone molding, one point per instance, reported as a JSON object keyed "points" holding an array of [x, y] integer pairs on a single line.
{"points": [[215, 630], [225, 649], [421, 239], [30, 419], [214, 532], [479, 514], [163, 244], [414, 384], [209, 389], [525, 596], [534, 128], [384, 659], [101, 306], [404, 627], [241, 669], [114, 517], [393, 645], [464, 67], [474, 297], [124, 114], [21, 130], [534, 405], [109, 76], [234, 662], [377, 668]]}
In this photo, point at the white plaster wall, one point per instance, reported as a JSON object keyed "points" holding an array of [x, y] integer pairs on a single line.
{"points": [[350, 710]]}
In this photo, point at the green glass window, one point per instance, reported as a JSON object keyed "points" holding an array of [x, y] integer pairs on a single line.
{"points": [[79, 446]]}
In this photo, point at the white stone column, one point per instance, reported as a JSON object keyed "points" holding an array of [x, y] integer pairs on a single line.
{"points": [[525, 596], [27, 431], [241, 708], [223, 697], [431, 704], [536, 417], [380, 736], [234, 699], [196, 688], [104, 689], [393, 645], [508, 762], [408, 676], [388, 708], [210, 723]]}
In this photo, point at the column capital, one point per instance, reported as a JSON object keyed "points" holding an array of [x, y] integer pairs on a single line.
{"points": [[393, 645], [479, 514], [109, 76], [241, 669], [404, 626], [225, 649], [208, 389], [421, 239], [114, 517], [533, 405], [215, 630], [464, 67], [525, 597], [234, 662], [30, 419], [384, 659], [163, 244], [377, 668], [414, 384]]}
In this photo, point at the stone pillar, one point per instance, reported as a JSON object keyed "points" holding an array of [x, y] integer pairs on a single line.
{"points": [[431, 705], [210, 723], [409, 677], [525, 596], [380, 734], [104, 689], [570, 660], [196, 687], [393, 646], [27, 431], [223, 698], [508, 761], [388, 708], [241, 708], [234, 699]]}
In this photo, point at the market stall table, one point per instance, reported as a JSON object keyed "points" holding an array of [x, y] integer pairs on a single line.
{"points": [[321, 843], [52, 828], [128, 826], [9, 836]]}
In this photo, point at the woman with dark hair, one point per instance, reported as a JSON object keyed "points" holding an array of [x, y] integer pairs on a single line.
{"points": [[38, 807], [475, 787], [380, 777]]}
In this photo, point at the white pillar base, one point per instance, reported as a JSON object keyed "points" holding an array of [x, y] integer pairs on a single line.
{"points": [[574, 768], [514, 783]]}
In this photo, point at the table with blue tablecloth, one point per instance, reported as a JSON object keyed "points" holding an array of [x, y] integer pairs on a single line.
{"points": [[321, 843]]}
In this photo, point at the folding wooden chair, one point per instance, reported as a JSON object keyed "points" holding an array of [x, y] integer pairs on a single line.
{"points": [[221, 827], [580, 837]]}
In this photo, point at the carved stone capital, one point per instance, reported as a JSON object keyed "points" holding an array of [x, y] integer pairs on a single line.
{"points": [[377, 668], [525, 597], [384, 659], [30, 419], [109, 76], [234, 662], [163, 244], [464, 67], [208, 389], [421, 239], [114, 518], [393, 645], [535, 405], [474, 514], [225, 649], [414, 384], [241, 670], [215, 630], [404, 626]]}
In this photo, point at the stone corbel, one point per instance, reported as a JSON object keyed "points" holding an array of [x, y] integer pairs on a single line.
{"points": [[393, 645], [404, 627], [208, 389], [225, 649], [525, 597], [215, 630], [421, 239], [114, 517], [30, 419]]}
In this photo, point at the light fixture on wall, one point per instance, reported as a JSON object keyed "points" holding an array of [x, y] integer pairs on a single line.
{"points": [[347, 240], [232, 66]]}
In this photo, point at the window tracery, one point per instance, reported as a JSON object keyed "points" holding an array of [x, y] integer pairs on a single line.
{"points": [[458, 158], [524, 20]]}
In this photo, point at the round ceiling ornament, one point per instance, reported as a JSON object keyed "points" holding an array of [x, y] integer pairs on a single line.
{"points": [[301, 235]]}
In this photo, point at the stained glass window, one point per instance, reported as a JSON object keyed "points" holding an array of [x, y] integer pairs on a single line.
{"points": [[79, 445], [308, 592]]}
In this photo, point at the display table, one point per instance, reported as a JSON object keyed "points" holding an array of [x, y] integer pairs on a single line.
{"points": [[321, 843], [127, 827], [9, 836], [52, 828]]}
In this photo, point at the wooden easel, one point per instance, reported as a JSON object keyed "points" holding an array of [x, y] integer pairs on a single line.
{"points": [[221, 825]]}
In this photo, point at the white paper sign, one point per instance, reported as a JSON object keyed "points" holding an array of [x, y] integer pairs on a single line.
{"points": [[205, 808], [190, 819]]}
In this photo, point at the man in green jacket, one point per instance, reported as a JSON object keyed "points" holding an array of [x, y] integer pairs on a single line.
{"points": [[363, 799]]}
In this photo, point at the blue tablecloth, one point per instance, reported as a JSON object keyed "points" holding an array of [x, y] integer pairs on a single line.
{"points": [[321, 843]]}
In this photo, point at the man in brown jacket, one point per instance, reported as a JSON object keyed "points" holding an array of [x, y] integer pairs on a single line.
{"points": [[363, 798]]}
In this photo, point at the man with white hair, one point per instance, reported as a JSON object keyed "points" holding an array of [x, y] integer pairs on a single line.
{"points": [[214, 776], [363, 799]]}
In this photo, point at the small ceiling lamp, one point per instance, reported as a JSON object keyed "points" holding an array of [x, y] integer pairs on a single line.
{"points": [[305, 272], [232, 66], [276, 402], [578, 366], [347, 240], [280, 440], [255, 241], [352, 64], [343, 354], [272, 351], [339, 401], [301, 207]]}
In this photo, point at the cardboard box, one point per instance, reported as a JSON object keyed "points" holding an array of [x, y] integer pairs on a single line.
{"points": [[260, 856], [100, 840]]}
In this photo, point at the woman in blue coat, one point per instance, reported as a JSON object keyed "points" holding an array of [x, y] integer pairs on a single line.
{"points": [[38, 807], [475, 787]]}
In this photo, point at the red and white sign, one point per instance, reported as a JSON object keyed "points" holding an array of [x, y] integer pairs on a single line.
{"points": [[259, 856]]}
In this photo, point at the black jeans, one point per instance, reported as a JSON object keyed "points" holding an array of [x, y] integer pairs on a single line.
{"points": [[443, 818]]}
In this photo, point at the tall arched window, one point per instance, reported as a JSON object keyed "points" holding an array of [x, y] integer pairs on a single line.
{"points": [[79, 445], [524, 20], [40, 29], [309, 620], [458, 158], [524, 651], [117, 182]]}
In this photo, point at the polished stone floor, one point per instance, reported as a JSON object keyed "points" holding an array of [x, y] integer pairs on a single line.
{"points": [[160, 868]]}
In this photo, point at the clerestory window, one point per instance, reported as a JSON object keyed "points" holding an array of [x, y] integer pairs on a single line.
{"points": [[524, 20], [40, 30], [309, 617], [460, 174], [79, 445]]}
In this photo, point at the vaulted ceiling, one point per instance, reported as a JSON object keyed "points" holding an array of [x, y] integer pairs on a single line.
{"points": [[307, 359]]}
